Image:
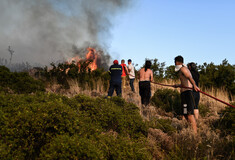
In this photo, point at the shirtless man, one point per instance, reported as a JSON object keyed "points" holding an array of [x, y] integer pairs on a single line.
{"points": [[146, 76], [187, 99]]}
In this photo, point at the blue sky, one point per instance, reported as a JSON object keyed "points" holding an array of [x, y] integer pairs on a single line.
{"points": [[199, 30]]}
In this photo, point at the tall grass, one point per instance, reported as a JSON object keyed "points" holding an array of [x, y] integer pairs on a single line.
{"points": [[101, 88]]}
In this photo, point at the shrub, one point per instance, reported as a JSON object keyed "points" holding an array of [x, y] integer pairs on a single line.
{"points": [[80, 72], [104, 146], [227, 121], [165, 125], [19, 82], [168, 100], [71, 147], [203, 110], [44, 125], [114, 114]]}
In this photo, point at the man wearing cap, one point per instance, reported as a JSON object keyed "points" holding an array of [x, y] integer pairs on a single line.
{"points": [[131, 70], [116, 81]]}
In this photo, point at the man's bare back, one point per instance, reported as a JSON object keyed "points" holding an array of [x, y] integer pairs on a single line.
{"points": [[184, 74], [146, 76]]}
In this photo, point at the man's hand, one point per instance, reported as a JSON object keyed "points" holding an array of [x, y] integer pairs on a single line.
{"points": [[196, 88]]}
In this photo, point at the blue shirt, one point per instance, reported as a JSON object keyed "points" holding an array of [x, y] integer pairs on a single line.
{"points": [[116, 73]]}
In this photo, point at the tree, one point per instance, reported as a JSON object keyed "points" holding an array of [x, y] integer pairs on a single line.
{"points": [[158, 69], [170, 73], [217, 76]]}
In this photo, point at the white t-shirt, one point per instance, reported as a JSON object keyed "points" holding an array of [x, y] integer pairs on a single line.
{"points": [[132, 71]]}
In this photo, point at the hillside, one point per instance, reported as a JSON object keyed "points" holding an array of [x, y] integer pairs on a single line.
{"points": [[70, 118]]}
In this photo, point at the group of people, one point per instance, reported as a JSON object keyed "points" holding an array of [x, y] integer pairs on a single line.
{"points": [[189, 79], [118, 77]]}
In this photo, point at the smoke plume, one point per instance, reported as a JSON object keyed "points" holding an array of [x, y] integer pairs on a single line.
{"points": [[42, 31]]}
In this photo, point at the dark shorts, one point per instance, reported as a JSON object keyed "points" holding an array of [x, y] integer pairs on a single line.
{"points": [[187, 103], [196, 96]]}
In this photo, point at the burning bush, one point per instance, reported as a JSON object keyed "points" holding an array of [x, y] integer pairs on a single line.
{"points": [[85, 78]]}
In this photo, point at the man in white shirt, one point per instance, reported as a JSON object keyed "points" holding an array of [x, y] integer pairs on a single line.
{"points": [[131, 70]]}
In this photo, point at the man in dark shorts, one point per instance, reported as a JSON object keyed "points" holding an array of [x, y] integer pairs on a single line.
{"points": [[116, 81], [187, 100], [196, 76]]}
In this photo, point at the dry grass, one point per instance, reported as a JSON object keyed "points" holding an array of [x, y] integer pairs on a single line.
{"points": [[100, 90]]}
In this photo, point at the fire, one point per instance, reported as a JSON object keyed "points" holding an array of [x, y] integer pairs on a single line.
{"points": [[91, 58]]}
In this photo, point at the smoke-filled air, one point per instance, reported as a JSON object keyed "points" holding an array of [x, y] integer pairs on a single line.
{"points": [[45, 31]]}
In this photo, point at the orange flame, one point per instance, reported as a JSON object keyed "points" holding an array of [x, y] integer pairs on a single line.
{"points": [[92, 56]]}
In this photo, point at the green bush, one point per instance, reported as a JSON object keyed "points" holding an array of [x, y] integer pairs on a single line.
{"points": [[45, 126], [71, 147], [168, 100], [81, 72], [227, 121], [104, 146], [165, 125], [115, 115], [203, 110], [19, 82]]}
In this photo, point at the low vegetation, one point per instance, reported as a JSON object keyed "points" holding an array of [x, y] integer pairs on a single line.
{"points": [[35, 124], [215, 139], [19, 82], [52, 127], [167, 99], [63, 73]]}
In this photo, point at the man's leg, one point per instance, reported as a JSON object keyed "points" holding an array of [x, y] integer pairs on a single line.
{"points": [[196, 113], [148, 93], [141, 92], [145, 94], [196, 96], [111, 89], [119, 89], [132, 84], [192, 120], [190, 108], [124, 82]]}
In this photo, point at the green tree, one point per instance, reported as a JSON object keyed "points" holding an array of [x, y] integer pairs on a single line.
{"points": [[170, 73], [218, 76]]}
